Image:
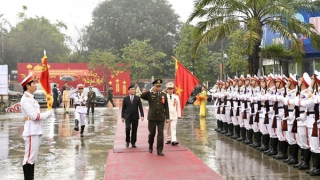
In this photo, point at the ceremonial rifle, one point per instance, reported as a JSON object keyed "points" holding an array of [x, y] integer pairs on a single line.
{"points": [[238, 107], [297, 114], [231, 109], [245, 105], [284, 126], [224, 105], [252, 109], [259, 109], [316, 117], [266, 116]]}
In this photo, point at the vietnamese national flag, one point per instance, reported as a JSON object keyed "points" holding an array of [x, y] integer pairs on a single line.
{"points": [[185, 82], [44, 81]]}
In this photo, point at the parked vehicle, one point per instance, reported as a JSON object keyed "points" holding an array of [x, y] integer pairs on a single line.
{"points": [[211, 92], [100, 100], [40, 96]]}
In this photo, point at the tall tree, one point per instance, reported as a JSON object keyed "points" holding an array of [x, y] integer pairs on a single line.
{"points": [[105, 61], [26, 42], [237, 52], [117, 22], [204, 64], [142, 59], [222, 17]]}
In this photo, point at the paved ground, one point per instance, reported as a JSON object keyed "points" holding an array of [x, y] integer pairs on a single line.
{"points": [[63, 155]]}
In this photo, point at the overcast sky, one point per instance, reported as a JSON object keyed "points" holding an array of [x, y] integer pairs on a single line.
{"points": [[75, 13]]}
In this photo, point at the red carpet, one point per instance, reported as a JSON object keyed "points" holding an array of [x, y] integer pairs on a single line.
{"points": [[137, 163]]}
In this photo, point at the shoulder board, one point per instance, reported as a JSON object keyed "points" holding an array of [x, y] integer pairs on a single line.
{"points": [[26, 95]]}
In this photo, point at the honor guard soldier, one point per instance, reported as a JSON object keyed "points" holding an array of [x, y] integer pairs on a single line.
{"points": [[279, 113], [262, 115], [175, 114], [271, 92], [223, 98], [315, 135], [234, 106], [254, 121], [80, 100], [228, 107], [291, 137], [240, 108], [33, 129], [304, 121], [217, 103], [158, 113], [247, 109]]}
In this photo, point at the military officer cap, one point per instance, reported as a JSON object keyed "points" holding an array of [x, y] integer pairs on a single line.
{"points": [[306, 79], [293, 79], [80, 86], [157, 82], [26, 80], [316, 76], [170, 85]]}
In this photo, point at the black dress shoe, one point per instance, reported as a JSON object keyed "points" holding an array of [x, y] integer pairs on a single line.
{"points": [[168, 142], [134, 145], [160, 154], [174, 143], [127, 144], [150, 149], [87, 114]]}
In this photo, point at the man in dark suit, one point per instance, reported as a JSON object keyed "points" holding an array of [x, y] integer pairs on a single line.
{"points": [[157, 114], [130, 115], [91, 97], [55, 96]]}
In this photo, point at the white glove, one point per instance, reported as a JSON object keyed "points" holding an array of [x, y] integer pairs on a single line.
{"points": [[270, 112], [260, 111], [252, 114], [49, 113], [151, 89], [299, 119], [284, 119]]}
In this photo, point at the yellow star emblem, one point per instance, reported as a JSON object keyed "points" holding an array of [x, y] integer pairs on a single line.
{"points": [[178, 90]]}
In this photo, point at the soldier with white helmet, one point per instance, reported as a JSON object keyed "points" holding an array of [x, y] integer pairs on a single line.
{"points": [[175, 114], [303, 124], [289, 102], [80, 100]]}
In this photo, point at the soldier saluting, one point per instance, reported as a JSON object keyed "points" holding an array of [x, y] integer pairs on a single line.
{"points": [[157, 114]]}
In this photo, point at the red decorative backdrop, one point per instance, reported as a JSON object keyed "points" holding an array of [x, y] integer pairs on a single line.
{"points": [[119, 80]]}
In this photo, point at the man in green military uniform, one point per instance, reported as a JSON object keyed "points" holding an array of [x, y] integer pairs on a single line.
{"points": [[91, 97], [157, 115]]}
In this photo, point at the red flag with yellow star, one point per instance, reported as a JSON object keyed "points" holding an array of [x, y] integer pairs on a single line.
{"points": [[185, 82], [44, 81]]}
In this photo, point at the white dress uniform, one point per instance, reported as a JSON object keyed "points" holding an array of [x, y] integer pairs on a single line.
{"points": [[254, 100], [241, 97], [280, 98], [315, 141], [289, 101], [262, 126], [270, 97], [33, 129], [247, 100], [175, 113], [80, 101], [235, 105]]}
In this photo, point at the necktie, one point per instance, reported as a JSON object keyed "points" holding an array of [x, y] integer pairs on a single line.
{"points": [[131, 99], [170, 97]]}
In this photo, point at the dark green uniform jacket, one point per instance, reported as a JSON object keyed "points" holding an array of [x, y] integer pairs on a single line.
{"points": [[158, 106]]}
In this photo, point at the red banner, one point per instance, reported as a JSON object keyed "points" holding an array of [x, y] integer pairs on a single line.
{"points": [[44, 81], [120, 80]]}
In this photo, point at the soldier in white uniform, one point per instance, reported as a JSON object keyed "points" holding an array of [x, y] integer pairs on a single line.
{"points": [[291, 137], [234, 108], [175, 114], [315, 135], [279, 102], [240, 109], [271, 92], [79, 99], [305, 121], [254, 121], [33, 129]]}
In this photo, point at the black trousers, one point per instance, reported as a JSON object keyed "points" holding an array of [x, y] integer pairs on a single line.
{"points": [[111, 100], [90, 105], [152, 125], [55, 102], [134, 124]]}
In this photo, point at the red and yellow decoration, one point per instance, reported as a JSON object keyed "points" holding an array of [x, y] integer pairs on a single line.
{"points": [[200, 97]]}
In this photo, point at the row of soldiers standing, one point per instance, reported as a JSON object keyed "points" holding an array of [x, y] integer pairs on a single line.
{"points": [[275, 114]]}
